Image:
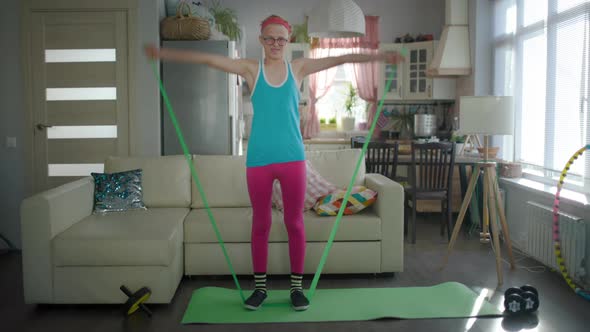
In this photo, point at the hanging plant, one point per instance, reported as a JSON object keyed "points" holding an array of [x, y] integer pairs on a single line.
{"points": [[226, 20], [299, 34]]}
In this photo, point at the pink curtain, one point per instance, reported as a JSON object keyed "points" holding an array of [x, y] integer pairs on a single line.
{"points": [[319, 84], [366, 74]]}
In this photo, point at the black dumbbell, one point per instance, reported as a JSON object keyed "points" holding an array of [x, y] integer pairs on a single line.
{"points": [[136, 300], [531, 297], [521, 300]]}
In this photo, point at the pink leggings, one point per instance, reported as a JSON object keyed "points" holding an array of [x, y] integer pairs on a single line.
{"points": [[260, 179]]}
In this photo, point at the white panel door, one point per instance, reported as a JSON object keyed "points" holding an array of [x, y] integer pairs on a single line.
{"points": [[79, 93]]}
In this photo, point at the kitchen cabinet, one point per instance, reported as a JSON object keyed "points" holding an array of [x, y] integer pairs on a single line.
{"points": [[392, 72], [411, 81]]}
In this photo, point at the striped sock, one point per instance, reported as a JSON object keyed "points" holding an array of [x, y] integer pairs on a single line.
{"points": [[296, 282], [260, 279]]}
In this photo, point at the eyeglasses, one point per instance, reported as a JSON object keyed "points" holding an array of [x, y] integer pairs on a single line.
{"points": [[271, 41]]}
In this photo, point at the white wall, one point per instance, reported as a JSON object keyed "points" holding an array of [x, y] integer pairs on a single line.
{"points": [[12, 161], [146, 124], [479, 83], [481, 41], [397, 16]]}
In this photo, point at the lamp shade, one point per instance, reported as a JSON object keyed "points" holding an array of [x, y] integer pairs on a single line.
{"points": [[486, 115], [336, 19]]}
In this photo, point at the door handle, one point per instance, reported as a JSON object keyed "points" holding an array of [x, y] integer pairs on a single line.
{"points": [[41, 126]]}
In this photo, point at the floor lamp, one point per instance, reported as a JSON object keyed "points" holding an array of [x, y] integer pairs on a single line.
{"points": [[472, 141], [486, 116]]}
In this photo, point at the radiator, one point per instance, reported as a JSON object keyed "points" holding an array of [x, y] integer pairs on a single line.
{"points": [[572, 234]]}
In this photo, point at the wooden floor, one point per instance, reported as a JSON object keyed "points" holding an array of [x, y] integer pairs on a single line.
{"points": [[471, 264]]}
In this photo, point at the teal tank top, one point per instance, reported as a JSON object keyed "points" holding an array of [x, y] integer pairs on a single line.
{"points": [[275, 136]]}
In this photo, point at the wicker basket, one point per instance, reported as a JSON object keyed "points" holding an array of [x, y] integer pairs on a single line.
{"points": [[510, 170], [181, 27]]}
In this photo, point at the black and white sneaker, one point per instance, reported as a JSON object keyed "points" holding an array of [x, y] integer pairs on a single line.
{"points": [[255, 300], [299, 301]]}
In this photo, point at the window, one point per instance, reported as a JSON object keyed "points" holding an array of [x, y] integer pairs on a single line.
{"points": [[541, 57], [331, 108]]}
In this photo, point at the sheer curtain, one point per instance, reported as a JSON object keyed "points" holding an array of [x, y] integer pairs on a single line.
{"points": [[366, 74], [319, 84]]}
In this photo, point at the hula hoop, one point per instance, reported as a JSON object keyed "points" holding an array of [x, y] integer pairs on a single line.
{"points": [[556, 240]]}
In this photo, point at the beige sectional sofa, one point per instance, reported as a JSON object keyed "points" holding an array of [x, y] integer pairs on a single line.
{"points": [[71, 255]]}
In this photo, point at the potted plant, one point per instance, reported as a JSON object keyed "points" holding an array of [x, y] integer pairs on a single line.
{"points": [[459, 142], [349, 104], [363, 125], [300, 34], [403, 121], [226, 20]]}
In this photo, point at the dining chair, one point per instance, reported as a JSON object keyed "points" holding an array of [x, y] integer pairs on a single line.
{"points": [[431, 174], [380, 157]]}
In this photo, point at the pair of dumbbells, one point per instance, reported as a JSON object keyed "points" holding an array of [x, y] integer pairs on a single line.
{"points": [[521, 300]]}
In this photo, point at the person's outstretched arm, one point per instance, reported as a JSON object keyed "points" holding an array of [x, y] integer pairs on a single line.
{"points": [[310, 66], [242, 67]]}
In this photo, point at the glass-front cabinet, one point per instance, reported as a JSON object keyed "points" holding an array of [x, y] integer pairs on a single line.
{"points": [[418, 58], [393, 73], [410, 81]]}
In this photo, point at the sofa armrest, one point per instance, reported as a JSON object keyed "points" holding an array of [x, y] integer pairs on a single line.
{"points": [[390, 208], [43, 216]]}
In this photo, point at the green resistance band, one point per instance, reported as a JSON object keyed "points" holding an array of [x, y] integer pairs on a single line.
{"points": [[316, 277], [196, 177], [318, 272]]}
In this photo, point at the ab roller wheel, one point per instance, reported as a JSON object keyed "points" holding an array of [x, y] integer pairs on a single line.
{"points": [[136, 300], [521, 300]]}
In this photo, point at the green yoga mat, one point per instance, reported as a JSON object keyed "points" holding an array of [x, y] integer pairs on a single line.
{"points": [[215, 305]]}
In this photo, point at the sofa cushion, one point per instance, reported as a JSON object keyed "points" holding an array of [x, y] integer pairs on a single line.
{"points": [[116, 192], [166, 180], [223, 179], [130, 238], [235, 226], [338, 166], [360, 198]]}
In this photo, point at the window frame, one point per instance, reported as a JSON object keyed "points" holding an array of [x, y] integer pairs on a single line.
{"points": [[514, 41]]}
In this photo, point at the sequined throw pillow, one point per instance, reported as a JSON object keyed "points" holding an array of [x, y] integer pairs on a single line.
{"points": [[118, 191]]}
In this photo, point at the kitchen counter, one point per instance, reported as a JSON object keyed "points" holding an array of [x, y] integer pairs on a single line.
{"points": [[326, 141], [320, 141]]}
